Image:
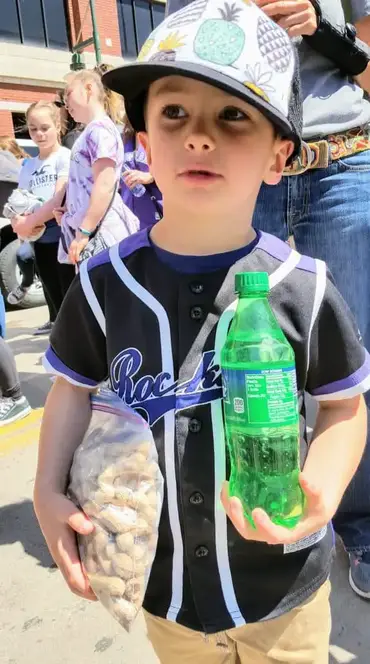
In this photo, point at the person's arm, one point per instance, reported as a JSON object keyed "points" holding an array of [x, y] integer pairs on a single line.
{"points": [[77, 356], [66, 417], [105, 178], [133, 177], [332, 461], [43, 213]]}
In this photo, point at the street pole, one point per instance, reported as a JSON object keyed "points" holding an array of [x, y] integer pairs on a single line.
{"points": [[78, 61], [96, 37]]}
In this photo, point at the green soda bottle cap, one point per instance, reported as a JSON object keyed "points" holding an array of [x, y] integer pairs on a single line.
{"points": [[252, 282]]}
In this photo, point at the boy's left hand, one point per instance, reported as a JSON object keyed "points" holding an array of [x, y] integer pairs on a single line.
{"points": [[297, 17], [317, 515]]}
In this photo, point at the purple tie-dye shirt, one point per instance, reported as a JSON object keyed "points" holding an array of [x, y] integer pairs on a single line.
{"points": [[99, 140]]}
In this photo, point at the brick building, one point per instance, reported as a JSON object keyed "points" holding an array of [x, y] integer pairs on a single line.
{"points": [[36, 37]]}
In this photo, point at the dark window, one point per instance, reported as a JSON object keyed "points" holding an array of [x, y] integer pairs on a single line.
{"points": [[32, 23], [158, 13], [20, 125], [144, 24], [9, 25], [56, 24], [35, 22], [127, 28], [137, 18]]}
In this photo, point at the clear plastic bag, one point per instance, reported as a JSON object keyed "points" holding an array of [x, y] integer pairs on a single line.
{"points": [[115, 479]]}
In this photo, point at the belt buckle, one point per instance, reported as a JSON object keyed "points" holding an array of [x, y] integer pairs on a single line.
{"points": [[290, 170]]}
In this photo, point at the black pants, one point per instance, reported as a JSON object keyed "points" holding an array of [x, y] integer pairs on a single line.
{"points": [[27, 268], [9, 379], [55, 277]]}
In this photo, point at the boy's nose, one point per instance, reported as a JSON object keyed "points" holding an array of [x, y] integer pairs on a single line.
{"points": [[199, 143]]}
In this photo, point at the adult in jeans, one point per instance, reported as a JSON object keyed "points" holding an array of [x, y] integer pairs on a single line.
{"points": [[327, 208]]}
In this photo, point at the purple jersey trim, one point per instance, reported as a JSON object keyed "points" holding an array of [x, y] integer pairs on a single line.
{"points": [[134, 242], [274, 247], [126, 247], [345, 383], [281, 250], [60, 368], [307, 264]]}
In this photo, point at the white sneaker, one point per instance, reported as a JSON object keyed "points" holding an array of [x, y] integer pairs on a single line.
{"points": [[13, 409], [17, 295]]}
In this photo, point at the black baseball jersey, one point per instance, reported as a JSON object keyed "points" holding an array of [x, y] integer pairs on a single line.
{"points": [[157, 333]]}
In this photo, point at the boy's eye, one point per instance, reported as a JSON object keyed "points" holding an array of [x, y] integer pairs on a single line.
{"points": [[232, 114], [173, 112]]}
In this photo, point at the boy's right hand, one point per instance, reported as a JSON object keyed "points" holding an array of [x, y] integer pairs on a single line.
{"points": [[59, 520]]}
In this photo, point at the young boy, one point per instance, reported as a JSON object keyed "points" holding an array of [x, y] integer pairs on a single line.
{"points": [[215, 101]]}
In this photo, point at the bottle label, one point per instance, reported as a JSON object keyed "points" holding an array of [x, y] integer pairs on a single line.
{"points": [[261, 397], [306, 542]]}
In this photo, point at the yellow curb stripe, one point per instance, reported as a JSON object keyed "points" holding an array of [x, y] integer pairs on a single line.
{"points": [[21, 433]]}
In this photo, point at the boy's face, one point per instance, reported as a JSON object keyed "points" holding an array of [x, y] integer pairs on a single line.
{"points": [[208, 150]]}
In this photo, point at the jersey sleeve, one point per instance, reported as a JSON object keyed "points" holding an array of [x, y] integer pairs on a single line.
{"points": [[103, 143], [77, 350], [63, 163], [339, 365]]}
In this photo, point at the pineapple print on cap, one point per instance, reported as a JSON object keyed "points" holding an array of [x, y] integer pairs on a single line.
{"points": [[188, 14], [167, 47], [258, 81], [145, 49], [221, 40], [274, 44]]}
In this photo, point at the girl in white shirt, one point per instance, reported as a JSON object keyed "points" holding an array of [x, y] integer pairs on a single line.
{"points": [[46, 176]]}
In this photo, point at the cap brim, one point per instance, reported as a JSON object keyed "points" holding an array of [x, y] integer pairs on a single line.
{"points": [[134, 79]]}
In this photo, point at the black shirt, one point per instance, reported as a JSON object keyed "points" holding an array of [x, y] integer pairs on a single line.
{"points": [[157, 333]]}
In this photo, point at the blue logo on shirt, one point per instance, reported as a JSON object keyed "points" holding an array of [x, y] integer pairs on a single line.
{"points": [[157, 395]]}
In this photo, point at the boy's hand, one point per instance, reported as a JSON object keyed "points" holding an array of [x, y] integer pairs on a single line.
{"points": [[59, 520], [297, 17], [316, 516]]}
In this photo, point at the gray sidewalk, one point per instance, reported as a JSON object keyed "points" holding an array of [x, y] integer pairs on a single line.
{"points": [[40, 621]]}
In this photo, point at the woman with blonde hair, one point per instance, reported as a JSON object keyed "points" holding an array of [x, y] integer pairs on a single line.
{"points": [[94, 216]]}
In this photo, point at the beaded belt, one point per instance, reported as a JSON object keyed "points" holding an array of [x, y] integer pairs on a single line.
{"points": [[319, 154]]}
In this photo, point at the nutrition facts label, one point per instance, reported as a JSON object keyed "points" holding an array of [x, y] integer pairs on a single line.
{"points": [[271, 396]]}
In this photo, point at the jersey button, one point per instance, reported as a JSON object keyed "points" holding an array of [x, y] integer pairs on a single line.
{"points": [[201, 552], [195, 425], [196, 498], [196, 313], [196, 287]]}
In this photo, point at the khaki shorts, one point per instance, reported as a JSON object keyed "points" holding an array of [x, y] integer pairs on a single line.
{"points": [[298, 637]]}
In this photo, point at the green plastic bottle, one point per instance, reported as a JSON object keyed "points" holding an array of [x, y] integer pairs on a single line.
{"points": [[261, 407]]}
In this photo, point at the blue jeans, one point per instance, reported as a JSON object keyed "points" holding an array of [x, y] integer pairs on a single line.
{"points": [[328, 213]]}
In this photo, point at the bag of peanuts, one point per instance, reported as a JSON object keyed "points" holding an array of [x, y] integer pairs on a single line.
{"points": [[115, 479]]}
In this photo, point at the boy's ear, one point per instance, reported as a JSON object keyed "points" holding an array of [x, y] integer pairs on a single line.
{"points": [[282, 152], [144, 140]]}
